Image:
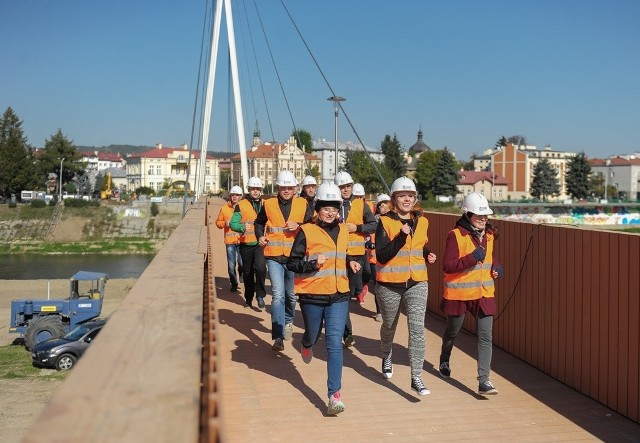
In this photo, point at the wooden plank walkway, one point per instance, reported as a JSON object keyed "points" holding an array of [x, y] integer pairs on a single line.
{"points": [[275, 397]]}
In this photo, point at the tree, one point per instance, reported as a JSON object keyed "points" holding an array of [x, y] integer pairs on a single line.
{"points": [[393, 159], [57, 147], [361, 168], [502, 142], [545, 180], [16, 158], [578, 172], [445, 179], [517, 140], [425, 171], [469, 165], [304, 140]]}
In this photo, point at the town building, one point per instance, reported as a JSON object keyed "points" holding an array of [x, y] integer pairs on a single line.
{"points": [[167, 166], [516, 165], [491, 185], [621, 173], [265, 160], [414, 152], [325, 151]]}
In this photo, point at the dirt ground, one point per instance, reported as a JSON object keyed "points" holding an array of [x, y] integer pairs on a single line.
{"points": [[22, 400]]}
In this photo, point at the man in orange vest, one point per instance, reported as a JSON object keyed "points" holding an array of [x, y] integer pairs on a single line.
{"points": [[231, 238], [319, 259], [276, 226], [360, 222], [254, 266], [470, 270]]}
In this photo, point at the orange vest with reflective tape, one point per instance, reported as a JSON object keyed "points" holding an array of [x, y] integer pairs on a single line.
{"points": [[472, 283], [331, 278], [281, 240], [409, 262], [248, 215], [230, 237], [356, 239]]}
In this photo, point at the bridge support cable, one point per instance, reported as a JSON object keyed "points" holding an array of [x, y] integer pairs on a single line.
{"points": [[296, 134], [213, 57], [333, 94]]}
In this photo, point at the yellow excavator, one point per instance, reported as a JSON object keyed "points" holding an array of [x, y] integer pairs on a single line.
{"points": [[106, 194]]}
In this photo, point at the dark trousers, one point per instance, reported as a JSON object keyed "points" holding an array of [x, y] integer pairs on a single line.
{"points": [[254, 271], [355, 285]]}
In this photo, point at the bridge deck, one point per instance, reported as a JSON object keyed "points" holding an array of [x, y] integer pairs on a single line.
{"points": [[275, 397]]}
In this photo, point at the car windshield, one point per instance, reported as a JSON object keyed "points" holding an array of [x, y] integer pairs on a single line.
{"points": [[77, 333]]}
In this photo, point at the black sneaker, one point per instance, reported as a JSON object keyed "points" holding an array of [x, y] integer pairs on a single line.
{"points": [[418, 386], [486, 388], [349, 341], [261, 303], [234, 288], [387, 367], [445, 370], [278, 345]]}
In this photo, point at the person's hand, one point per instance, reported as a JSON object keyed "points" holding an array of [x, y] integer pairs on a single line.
{"points": [[497, 271], [352, 227], [262, 241], [247, 226], [406, 228], [354, 265], [321, 260], [479, 254], [291, 226], [431, 258]]}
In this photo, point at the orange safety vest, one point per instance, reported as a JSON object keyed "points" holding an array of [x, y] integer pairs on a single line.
{"points": [[279, 240], [356, 239], [472, 283], [331, 278], [409, 262], [222, 222], [248, 215]]}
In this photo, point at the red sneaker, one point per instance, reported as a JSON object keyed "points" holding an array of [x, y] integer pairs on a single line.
{"points": [[362, 295]]}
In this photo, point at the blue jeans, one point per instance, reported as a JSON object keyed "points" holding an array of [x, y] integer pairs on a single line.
{"points": [[232, 256], [334, 316], [283, 302]]}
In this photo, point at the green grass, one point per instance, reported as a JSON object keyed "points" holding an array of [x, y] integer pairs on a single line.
{"points": [[629, 230], [15, 363], [119, 246]]}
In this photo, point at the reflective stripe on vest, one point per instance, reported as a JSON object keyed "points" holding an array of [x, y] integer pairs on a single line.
{"points": [[332, 277], [409, 262], [472, 283], [279, 239], [356, 239], [248, 215]]}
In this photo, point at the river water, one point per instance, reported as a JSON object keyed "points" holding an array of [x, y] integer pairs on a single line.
{"points": [[31, 267]]}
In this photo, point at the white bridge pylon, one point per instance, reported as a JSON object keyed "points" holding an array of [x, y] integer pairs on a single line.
{"points": [[233, 61]]}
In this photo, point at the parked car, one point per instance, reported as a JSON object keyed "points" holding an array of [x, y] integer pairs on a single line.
{"points": [[63, 353]]}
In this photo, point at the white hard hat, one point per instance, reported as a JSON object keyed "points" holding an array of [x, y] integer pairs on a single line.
{"points": [[328, 192], [286, 178], [236, 190], [342, 178], [358, 190], [309, 180], [476, 203], [382, 198], [403, 184], [254, 182]]}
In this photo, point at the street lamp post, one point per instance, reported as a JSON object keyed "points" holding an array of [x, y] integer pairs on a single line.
{"points": [[335, 99], [60, 187], [606, 179]]}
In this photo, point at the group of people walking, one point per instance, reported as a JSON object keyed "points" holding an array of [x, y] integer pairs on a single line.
{"points": [[324, 247]]}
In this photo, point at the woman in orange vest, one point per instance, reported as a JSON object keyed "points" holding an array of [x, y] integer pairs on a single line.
{"points": [[383, 205], [470, 268], [319, 260], [231, 238], [401, 273]]}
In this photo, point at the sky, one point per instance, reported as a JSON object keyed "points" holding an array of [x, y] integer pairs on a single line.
{"points": [[563, 73]]}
